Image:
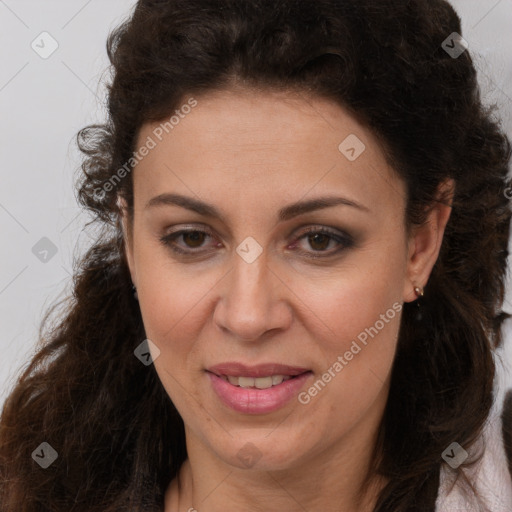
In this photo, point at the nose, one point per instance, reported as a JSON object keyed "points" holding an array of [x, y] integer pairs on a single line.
{"points": [[253, 301]]}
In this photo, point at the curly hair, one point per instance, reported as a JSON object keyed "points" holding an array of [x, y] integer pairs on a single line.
{"points": [[119, 438]]}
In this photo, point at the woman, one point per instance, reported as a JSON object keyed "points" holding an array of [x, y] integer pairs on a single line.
{"points": [[296, 296]]}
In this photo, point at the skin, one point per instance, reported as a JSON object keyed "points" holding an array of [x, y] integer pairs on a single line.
{"points": [[249, 154]]}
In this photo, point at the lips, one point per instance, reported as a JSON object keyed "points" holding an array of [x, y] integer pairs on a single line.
{"points": [[234, 369], [258, 389], [257, 401]]}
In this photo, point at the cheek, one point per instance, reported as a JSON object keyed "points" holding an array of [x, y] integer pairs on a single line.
{"points": [[349, 302], [169, 291], [357, 339], [356, 320], [172, 302]]}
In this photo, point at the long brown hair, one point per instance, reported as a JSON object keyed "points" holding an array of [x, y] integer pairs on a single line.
{"points": [[118, 437]]}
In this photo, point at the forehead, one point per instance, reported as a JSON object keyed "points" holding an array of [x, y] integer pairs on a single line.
{"points": [[273, 143], [247, 118]]}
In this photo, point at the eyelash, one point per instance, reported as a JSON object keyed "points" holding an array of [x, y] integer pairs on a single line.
{"points": [[344, 240]]}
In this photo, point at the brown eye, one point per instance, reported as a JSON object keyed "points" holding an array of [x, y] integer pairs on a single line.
{"points": [[195, 237], [319, 241], [192, 239]]}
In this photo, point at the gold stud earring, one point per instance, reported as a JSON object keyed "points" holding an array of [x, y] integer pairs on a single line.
{"points": [[419, 291], [418, 315]]}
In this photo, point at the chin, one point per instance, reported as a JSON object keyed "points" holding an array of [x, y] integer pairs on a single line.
{"points": [[261, 453]]}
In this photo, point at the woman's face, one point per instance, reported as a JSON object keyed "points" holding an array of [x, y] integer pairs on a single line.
{"points": [[248, 285]]}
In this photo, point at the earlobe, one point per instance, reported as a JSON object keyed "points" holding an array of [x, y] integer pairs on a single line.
{"points": [[425, 242]]}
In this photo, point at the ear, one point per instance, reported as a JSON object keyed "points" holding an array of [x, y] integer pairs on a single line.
{"points": [[425, 241], [127, 228]]}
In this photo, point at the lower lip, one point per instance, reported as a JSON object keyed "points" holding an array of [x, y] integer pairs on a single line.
{"points": [[257, 401]]}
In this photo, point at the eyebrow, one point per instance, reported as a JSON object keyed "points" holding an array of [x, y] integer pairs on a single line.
{"points": [[286, 213]]}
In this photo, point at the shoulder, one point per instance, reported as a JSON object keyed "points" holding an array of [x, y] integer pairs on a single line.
{"points": [[492, 475], [506, 425]]}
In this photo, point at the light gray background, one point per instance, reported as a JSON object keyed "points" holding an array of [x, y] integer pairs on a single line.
{"points": [[44, 102]]}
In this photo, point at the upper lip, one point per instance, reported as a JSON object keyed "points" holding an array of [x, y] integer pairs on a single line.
{"points": [[234, 369]]}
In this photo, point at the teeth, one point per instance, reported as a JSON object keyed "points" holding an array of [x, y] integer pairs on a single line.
{"points": [[232, 380], [247, 382], [277, 379], [256, 382]]}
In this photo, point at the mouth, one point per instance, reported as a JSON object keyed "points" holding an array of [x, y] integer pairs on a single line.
{"points": [[258, 389], [257, 382]]}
